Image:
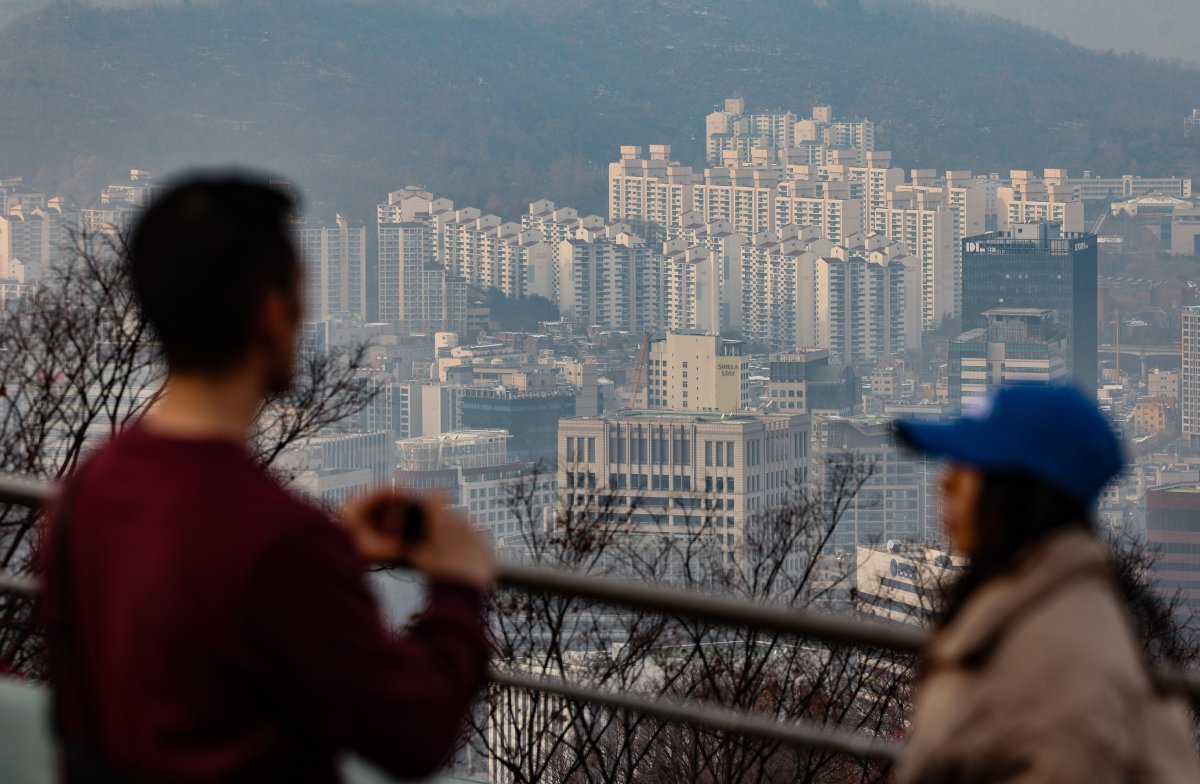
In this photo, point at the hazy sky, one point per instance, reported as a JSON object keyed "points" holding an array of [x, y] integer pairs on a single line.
{"points": [[1161, 28]]}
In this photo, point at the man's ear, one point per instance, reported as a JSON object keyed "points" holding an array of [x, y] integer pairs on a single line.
{"points": [[277, 318]]}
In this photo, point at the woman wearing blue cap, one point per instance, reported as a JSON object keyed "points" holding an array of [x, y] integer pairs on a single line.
{"points": [[1035, 674]]}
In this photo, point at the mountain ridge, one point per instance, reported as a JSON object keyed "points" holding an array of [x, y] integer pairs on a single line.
{"points": [[505, 101]]}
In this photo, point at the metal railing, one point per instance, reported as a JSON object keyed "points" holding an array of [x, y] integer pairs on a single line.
{"points": [[829, 628]]}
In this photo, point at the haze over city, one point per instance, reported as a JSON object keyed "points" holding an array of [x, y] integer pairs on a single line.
{"points": [[836, 363]]}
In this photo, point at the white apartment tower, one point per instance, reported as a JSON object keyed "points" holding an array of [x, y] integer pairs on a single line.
{"points": [[779, 294], [602, 277], [867, 302], [33, 233], [335, 268], [649, 191], [924, 222], [1030, 199], [720, 238], [416, 292]]}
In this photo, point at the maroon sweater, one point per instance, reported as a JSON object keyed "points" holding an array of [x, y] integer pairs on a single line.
{"points": [[227, 632]]}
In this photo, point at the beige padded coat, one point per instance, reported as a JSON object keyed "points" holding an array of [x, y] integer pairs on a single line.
{"points": [[1039, 679]]}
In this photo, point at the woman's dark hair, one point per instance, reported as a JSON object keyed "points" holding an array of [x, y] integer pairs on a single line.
{"points": [[1016, 512], [203, 256]]}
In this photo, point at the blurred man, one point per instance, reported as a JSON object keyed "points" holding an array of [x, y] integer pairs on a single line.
{"points": [[204, 623]]}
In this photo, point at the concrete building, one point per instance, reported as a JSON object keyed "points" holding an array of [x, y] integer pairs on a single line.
{"points": [[895, 503], [697, 372], [1189, 381], [1163, 384], [839, 219], [806, 381], [691, 286], [1036, 265], [34, 233], [471, 469], [732, 133], [665, 473], [335, 268], [1018, 346], [120, 203], [1185, 232], [1173, 528], [1095, 188], [718, 237], [779, 292], [372, 451], [333, 487], [902, 584]]}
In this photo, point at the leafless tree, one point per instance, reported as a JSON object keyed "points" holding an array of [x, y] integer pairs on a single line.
{"points": [[536, 738], [78, 362]]}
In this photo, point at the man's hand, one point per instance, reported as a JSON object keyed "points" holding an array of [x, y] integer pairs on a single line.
{"points": [[447, 546]]}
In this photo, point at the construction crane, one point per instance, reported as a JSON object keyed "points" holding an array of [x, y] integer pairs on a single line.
{"points": [[639, 372]]}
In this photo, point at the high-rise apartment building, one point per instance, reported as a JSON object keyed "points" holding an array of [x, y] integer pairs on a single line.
{"points": [[697, 372], [867, 301], [34, 232], [837, 218], [605, 277], [731, 132], [335, 268], [415, 292], [924, 222], [675, 473], [1028, 198], [779, 293], [557, 224], [720, 238], [120, 203], [647, 192], [1018, 346], [691, 290], [742, 196], [1036, 265], [1189, 381]]}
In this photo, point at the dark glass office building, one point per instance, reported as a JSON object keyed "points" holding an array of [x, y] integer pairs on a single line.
{"points": [[1035, 265], [529, 415]]}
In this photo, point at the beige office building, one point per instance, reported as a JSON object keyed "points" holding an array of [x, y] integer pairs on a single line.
{"points": [[664, 473], [697, 372]]}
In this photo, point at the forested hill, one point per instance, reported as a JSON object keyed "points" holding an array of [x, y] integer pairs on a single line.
{"points": [[494, 102]]}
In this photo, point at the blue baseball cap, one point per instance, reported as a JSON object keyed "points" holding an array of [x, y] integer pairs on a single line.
{"points": [[1052, 433]]}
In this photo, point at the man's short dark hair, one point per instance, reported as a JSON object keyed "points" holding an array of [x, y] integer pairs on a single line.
{"points": [[203, 256]]}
